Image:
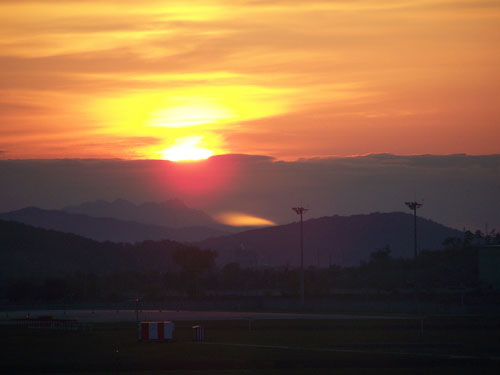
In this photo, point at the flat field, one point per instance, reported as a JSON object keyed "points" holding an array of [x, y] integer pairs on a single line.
{"points": [[435, 345]]}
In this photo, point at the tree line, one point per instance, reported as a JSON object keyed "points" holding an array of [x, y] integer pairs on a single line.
{"points": [[195, 274]]}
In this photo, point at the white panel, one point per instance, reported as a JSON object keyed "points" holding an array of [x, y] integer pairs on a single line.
{"points": [[169, 330], [153, 331]]}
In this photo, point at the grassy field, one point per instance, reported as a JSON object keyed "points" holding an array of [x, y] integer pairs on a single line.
{"points": [[284, 347]]}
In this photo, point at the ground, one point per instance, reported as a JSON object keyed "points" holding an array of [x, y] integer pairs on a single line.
{"points": [[277, 346]]}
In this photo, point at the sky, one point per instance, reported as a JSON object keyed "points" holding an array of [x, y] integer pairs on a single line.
{"points": [[456, 190], [286, 79]]}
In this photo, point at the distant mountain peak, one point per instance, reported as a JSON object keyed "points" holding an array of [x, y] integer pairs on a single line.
{"points": [[171, 213], [120, 201], [169, 203]]}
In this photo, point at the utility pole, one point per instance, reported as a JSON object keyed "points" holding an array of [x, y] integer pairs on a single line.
{"points": [[414, 206], [300, 211]]}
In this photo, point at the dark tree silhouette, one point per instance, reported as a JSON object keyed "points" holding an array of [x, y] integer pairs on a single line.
{"points": [[381, 255], [194, 264], [231, 275]]}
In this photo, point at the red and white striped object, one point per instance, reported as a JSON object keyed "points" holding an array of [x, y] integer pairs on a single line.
{"points": [[156, 331]]}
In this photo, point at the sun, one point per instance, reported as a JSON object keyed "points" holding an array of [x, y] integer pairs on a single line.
{"points": [[187, 149]]}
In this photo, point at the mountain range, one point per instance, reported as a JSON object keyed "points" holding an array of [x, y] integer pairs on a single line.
{"points": [[106, 228], [27, 251], [341, 240], [172, 213]]}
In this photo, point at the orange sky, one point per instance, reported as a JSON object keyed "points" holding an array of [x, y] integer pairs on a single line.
{"points": [[289, 79]]}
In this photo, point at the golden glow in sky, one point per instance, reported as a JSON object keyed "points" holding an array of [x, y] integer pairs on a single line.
{"points": [[285, 78], [239, 219]]}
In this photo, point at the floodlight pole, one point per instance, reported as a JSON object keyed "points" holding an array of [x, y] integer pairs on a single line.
{"points": [[137, 310], [300, 211], [414, 206]]}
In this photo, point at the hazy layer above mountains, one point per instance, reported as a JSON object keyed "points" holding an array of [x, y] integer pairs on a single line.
{"points": [[457, 190]]}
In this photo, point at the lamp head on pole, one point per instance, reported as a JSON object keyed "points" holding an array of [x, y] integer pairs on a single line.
{"points": [[413, 205], [299, 210]]}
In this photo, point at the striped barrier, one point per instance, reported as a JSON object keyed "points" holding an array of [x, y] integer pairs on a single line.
{"points": [[156, 331], [50, 323], [198, 333]]}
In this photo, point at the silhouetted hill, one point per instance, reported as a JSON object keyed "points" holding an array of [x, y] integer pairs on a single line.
{"points": [[336, 239], [172, 213], [26, 251], [105, 229]]}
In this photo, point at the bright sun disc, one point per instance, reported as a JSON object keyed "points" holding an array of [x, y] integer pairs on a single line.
{"points": [[185, 149]]}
